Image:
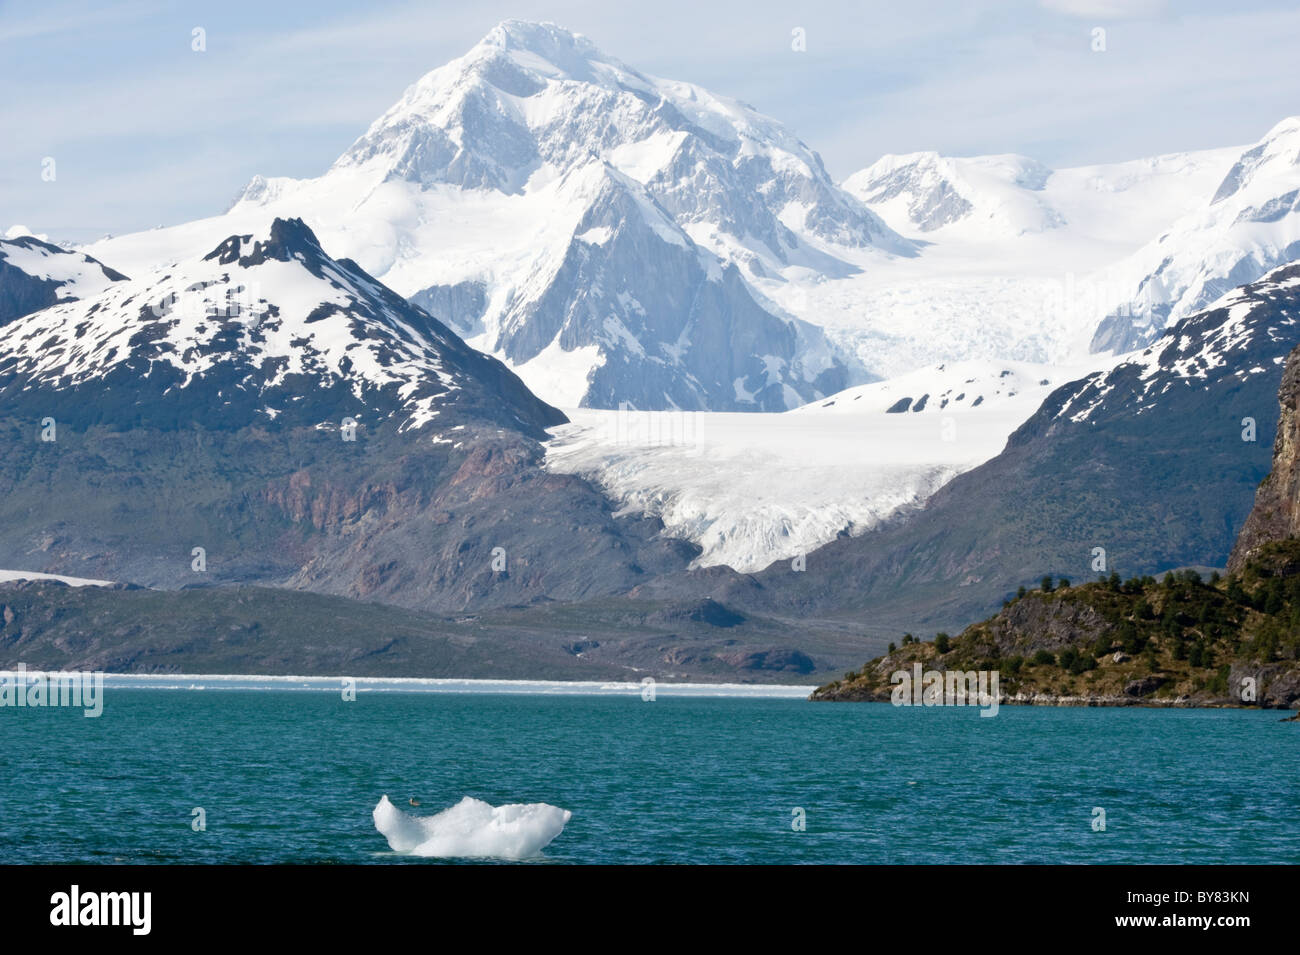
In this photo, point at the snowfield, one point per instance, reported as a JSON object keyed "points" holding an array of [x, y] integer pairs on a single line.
{"points": [[8, 575], [1018, 262]]}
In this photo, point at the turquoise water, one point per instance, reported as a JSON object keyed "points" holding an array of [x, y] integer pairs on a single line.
{"points": [[293, 776]]}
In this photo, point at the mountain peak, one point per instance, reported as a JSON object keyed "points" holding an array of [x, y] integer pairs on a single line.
{"points": [[1287, 127], [518, 57], [285, 239], [545, 39]]}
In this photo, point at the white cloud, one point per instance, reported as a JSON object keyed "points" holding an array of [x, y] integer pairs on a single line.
{"points": [[16, 231]]}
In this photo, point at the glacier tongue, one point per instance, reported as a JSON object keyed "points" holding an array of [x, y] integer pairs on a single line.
{"points": [[752, 489]]}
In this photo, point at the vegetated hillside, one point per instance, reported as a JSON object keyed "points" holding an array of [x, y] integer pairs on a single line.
{"points": [[1181, 641]]}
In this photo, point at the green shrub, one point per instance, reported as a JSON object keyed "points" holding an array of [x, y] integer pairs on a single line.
{"points": [[1082, 664], [1219, 682]]}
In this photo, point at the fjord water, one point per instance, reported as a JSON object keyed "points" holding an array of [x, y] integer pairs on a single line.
{"points": [[287, 776]]}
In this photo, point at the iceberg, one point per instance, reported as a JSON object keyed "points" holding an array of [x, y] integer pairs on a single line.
{"points": [[472, 829]]}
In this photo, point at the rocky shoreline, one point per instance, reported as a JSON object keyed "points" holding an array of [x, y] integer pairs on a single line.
{"points": [[832, 693]]}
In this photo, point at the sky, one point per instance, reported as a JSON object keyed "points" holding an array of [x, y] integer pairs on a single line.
{"points": [[144, 130]]}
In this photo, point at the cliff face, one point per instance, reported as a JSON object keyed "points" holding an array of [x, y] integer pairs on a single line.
{"points": [[1276, 514]]}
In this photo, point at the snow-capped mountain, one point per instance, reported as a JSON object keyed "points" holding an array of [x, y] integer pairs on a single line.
{"points": [[264, 328], [999, 194], [533, 95], [651, 319], [615, 237], [1246, 333], [989, 199], [35, 274], [596, 228], [207, 403], [1248, 225]]}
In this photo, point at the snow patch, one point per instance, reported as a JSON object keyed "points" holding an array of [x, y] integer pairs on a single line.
{"points": [[560, 377]]}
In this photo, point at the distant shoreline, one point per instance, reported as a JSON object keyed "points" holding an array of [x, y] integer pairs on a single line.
{"points": [[236, 681]]}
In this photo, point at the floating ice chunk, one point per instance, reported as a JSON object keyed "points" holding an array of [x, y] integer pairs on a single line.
{"points": [[472, 829]]}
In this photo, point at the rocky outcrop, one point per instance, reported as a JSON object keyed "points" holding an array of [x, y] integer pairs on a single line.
{"points": [[1030, 625], [1276, 514], [1191, 643]]}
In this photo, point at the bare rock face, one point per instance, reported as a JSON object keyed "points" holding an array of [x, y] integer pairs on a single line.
{"points": [[1034, 624], [1276, 685], [1276, 514]]}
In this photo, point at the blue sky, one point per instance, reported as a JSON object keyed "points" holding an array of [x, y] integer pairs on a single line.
{"points": [[144, 131]]}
